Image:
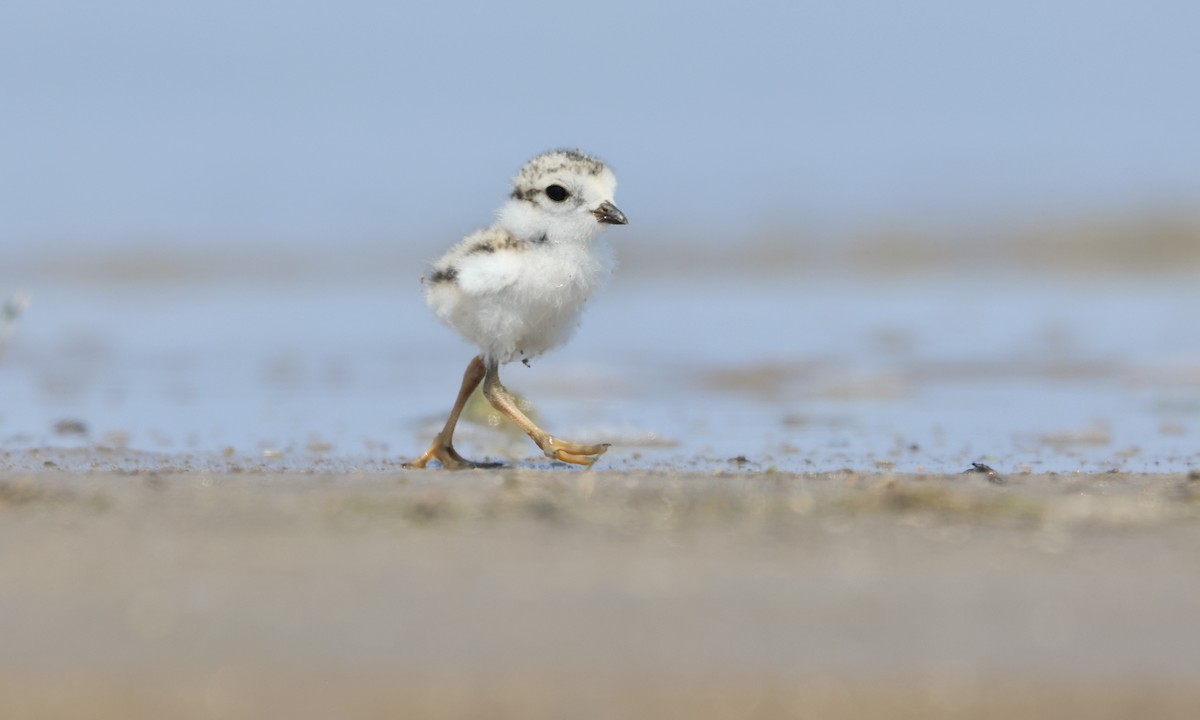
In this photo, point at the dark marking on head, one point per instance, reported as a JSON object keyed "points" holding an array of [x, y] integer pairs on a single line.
{"points": [[592, 165], [482, 247], [546, 165], [543, 239], [446, 274]]}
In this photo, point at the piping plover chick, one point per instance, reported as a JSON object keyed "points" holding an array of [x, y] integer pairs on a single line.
{"points": [[516, 289]]}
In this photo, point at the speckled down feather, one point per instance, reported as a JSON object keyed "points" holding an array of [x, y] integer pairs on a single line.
{"points": [[517, 288]]}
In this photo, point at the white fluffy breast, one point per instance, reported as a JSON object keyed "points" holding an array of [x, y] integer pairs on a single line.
{"points": [[519, 302]]}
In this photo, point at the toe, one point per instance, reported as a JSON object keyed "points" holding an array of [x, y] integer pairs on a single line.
{"points": [[422, 461], [554, 444], [586, 459], [449, 458]]}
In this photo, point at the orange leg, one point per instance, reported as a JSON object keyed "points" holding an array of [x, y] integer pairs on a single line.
{"points": [[442, 448], [557, 448]]}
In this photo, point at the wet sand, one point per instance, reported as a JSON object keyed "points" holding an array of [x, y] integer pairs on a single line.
{"points": [[565, 594]]}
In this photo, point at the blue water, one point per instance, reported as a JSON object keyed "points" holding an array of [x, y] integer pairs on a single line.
{"points": [[811, 373]]}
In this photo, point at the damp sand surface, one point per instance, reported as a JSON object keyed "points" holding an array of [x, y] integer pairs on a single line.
{"points": [[204, 514], [556, 593]]}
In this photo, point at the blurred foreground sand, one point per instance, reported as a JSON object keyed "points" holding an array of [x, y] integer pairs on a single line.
{"points": [[563, 594]]}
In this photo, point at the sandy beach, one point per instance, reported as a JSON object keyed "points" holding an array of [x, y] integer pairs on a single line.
{"points": [[549, 594], [204, 511], [869, 248]]}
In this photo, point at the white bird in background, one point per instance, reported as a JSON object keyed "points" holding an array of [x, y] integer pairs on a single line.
{"points": [[517, 288]]}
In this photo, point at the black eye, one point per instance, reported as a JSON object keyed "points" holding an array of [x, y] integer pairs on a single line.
{"points": [[557, 193]]}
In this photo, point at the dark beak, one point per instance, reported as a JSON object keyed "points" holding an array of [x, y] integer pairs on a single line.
{"points": [[608, 214]]}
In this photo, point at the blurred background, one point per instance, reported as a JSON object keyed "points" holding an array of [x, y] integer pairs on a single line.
{"points": [[862, 233]]}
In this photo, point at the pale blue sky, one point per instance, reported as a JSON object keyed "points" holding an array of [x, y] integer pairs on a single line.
{"points": [[227, 121]]}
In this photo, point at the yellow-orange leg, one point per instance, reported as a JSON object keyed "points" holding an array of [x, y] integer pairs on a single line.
{"points": [[442, 448], [557, 448]]}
